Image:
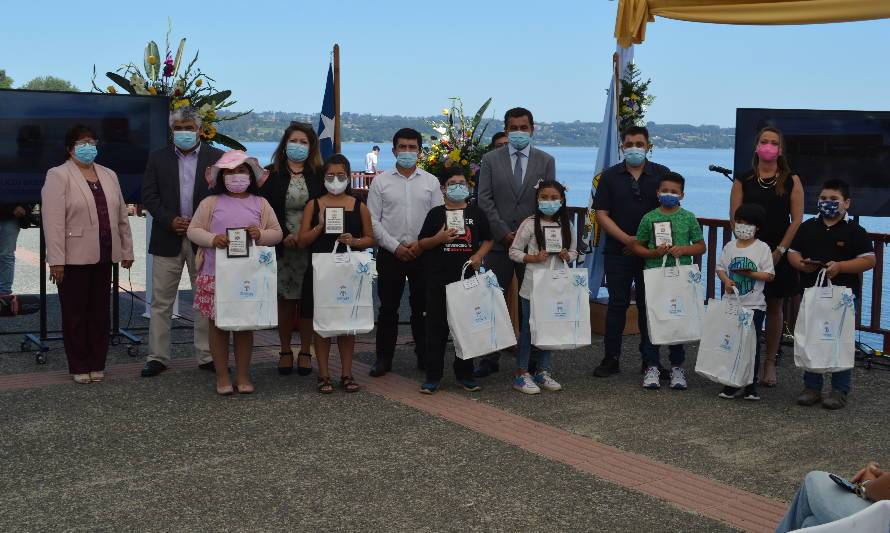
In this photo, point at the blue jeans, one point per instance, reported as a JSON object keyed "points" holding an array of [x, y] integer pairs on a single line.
{"points": [[840, 381], [622, 271], [819, 501], [9, 234], [525, 341]]}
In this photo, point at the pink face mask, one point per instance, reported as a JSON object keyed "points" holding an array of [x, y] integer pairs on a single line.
{"points": [[237, 183], [768, 152]]}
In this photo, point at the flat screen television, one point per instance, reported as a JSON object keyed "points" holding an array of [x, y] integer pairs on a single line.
{"points": [[852, 145], [32, 133]]}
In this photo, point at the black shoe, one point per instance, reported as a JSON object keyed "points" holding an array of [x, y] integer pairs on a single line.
{"points": [[379, 369], [304, 370], [152, 369], [208, 367], [485, 369], [608, 367]]}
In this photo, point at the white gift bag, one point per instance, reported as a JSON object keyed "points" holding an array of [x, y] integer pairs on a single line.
{"points": [[246, 296], [825, 330], [559, 308], [675, 303], [477, 315], [728, 343], [341, 288]]}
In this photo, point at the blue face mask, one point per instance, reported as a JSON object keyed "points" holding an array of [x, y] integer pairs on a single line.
{"points": [[829, 208], [549, 207], [85, 153], [635, 156], [457, 192], [406, 159], [519, 139], [297, 152], [669, 200], [185, 140]]}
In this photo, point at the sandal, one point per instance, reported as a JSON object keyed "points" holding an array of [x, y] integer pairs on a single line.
{"points": [[304, 370], [349, 384], [225, 391], [285, 370], [324, 385], [247, 388]]}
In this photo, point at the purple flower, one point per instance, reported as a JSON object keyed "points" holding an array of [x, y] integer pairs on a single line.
{"points": [[168, 66]]}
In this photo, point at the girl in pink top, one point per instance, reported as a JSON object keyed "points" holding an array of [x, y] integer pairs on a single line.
{"points": [[233, 203]]}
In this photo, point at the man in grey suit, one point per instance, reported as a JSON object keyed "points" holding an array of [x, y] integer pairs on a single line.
{"points": [[173, 187], [507, 192]]}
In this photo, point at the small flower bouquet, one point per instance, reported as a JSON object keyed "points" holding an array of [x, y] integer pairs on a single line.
{"points": [[634, 99], [191, 87], [458, 143]]}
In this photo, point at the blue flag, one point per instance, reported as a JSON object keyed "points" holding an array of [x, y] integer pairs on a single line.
{"points": [[606, 156], [327, 119]]}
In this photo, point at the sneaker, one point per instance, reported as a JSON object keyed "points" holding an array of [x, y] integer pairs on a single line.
{"points": [[526, 384], [678, 378], [544, 381], [835, 400], [429, 388], [607, 368], [651, 379], [729, 393], [809, 397], [751, 393], [470, 384]]}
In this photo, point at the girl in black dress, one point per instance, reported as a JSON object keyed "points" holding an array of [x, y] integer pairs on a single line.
{"points": [[773, 186], [357, 235]]}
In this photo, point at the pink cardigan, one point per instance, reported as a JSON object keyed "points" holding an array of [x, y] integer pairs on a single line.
{"points": [[70, 221], [200, 234]]}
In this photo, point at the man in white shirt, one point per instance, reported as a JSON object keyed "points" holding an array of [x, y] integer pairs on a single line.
{"points": [[371, 160], [399, 201]]}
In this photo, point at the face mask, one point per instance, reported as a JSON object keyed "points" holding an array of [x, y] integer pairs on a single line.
{"points": [[297, 152], [669, 200], [406, 159], [457, 192], [185, 139], [85, 153], [335, 186], [519, 139], [635, 156], [768, 152], [744, 231], [549, 207], [829, 208], [236, 183]]}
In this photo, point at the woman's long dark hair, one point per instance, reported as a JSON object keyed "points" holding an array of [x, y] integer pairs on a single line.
{"points": [[561, 216], [279, 156], [784, 168]]}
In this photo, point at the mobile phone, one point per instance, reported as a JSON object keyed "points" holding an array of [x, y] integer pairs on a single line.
{"points": [[844, 484]]}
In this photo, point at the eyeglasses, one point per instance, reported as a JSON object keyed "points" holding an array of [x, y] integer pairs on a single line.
{"points": [[635, 189], [330, 177]]}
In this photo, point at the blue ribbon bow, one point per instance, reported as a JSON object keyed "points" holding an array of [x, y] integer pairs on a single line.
{"points": [[694, 277]]}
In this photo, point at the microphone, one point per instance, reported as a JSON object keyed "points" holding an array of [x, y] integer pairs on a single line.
{"points": [[721, 170]]}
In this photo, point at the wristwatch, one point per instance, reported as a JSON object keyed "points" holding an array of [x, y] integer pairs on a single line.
{"points": [[781, 249], [860, 491]]}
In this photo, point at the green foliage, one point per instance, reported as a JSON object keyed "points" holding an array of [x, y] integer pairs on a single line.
{"points": [[634, 99], [5, 81], [49, 83]]}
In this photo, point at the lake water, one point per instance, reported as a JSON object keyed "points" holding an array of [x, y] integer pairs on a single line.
{"points": [[707, 193]]}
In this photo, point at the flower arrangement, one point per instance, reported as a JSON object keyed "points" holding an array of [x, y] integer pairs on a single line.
{"points": [[634, 99], [191, 87], [458, 143]]}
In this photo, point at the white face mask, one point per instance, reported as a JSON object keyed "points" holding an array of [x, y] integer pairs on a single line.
{"points": [[744, 231], [336, 186]]}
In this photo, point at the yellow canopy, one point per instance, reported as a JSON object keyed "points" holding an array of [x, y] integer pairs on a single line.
{"points": [[630, 26]]}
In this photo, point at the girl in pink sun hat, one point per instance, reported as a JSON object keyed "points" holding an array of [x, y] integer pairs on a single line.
{"points": [[233, 203]]}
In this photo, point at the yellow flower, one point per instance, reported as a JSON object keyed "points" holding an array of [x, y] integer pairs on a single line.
{"points": [[634, 97], [454, 155], [179, 103], [463, 162], [153, 91], [208, 131], [111, 90], [198, 82], [431, 159], [152, 60], [446, 112]]}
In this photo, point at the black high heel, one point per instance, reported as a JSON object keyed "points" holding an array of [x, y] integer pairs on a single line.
{"points": [[304, 370], [285, 370]]}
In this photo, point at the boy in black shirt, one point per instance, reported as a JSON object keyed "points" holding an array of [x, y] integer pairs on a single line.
{"points": [[845, 251], [452, 234]]}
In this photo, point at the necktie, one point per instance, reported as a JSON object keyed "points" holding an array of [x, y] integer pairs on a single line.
{"points": [[517, 170]]}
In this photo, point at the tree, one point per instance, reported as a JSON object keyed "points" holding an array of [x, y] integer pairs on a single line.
{"points": [[49, 83], [5, 81]]}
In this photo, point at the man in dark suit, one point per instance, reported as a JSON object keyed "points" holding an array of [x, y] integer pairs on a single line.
{"points": [[507, 195], [173, 187]]}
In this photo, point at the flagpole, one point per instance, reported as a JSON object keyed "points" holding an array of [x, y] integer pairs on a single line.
{"points": [[336, 98]]}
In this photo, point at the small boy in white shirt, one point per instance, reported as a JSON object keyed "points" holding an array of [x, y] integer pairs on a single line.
{"points": [[746, 264]]}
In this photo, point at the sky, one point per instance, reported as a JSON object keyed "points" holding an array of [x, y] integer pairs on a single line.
{"points": [[408, 58]]}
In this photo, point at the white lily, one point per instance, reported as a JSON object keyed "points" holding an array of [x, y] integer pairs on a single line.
{"points": [[138, 84]]}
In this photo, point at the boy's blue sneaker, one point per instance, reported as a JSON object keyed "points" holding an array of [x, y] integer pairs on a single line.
{"points": [[470, 384], [429, 388]]}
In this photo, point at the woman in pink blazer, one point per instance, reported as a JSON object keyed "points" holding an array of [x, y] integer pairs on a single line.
{"points": [[86, 229]]}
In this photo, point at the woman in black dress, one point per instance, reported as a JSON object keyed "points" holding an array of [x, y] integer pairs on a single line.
{"points": [[773, 186], [357, 234]]}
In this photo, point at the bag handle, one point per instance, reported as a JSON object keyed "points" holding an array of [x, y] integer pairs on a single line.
{"points": [[338, 243], [553, 263], [823, 278], [463, 271]]}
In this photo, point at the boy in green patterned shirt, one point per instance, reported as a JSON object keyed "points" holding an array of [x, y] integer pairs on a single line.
{"points": [[672, 231]]}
